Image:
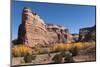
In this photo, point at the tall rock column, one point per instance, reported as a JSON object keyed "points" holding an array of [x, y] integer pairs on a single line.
{"points": [[32, 31]]}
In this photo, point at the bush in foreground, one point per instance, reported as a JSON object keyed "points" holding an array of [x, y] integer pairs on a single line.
{"points": [[28, 58], [57, 58], [66, 55], [74, 51], [68, 58]]}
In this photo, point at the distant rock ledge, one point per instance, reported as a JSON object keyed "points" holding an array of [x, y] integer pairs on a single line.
{"points": [[87, 34]]}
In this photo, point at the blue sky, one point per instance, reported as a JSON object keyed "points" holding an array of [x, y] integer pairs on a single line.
{"points": [[70, 16]]}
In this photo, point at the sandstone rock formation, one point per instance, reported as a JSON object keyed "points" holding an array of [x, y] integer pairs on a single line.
{"points": [[75, 37], [33, 32], [63, 35], [87, 34]]}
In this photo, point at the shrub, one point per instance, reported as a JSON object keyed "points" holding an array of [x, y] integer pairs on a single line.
{"points": [[60, 47], [66, 55], [88, 44], [28, 58], [20, 50], [71, 46], [83, 45], [57, 58], [79, 45], [74, 50], [63, 54], [68, 58]]}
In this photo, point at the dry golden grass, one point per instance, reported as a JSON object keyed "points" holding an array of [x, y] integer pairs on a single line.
{"points": [[59, 47], [79, 45], [20, 50]]}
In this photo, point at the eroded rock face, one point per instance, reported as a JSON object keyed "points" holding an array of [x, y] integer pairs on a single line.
{"points": [[75, 37], [33, 32], [87, 34]]}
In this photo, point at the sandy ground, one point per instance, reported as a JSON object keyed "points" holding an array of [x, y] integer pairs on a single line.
{"points": [[45, 59], [84, 55]]}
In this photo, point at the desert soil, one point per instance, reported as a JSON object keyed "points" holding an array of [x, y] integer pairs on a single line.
{"points": [[45, 59]]}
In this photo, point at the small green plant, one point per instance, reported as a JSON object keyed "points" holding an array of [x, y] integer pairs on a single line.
{"points": [[63, 54], [28, 58], [69, 58], [57, 58], [74, 51]]}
